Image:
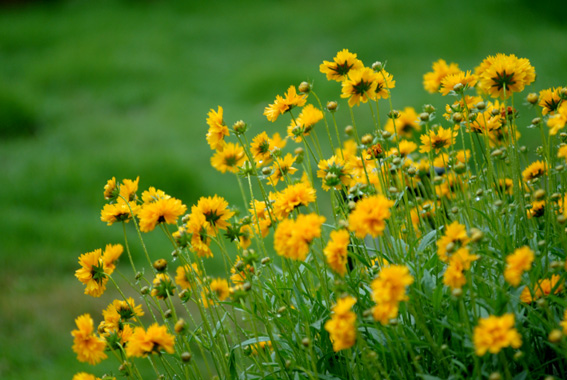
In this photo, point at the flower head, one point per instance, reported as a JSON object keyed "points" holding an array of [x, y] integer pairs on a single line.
{"points": [[501, 75], [284, 104], [155, 340], [517, 263], [465, 80], [455, 237], [342, 64], [88, 346], [437, 140], [229, 159], [300, 194], [494, 333], [336, 251], [163, 210], [432, 80], [341, 326], [293, 237], [534, 170], [217, 129], [360, 86], [369, 216], [405, 124]]}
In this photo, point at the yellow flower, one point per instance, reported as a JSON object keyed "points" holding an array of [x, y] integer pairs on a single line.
{"points": [[384, 83], [155, 340], [261, 149], [517, 263], [535, 170], [506, 185], [303, 124], [216, 212], [369, 216], [300, 194], [501, 75], [85, 376], [557, 121], [229, 159], [341, 326], [454, 275], [437, 139], [184, 273], [165, 210], [494, 333], [198, 227], [153, 195], [335, 173], [217, 129], [256, 348], [336, 251], [455, 237], [542, 288], [282, 167], [239, 276], [162, 286], [536, 210], [388, 290], [88, 346], [281, 105], [563, 323], [466, 80], [261, 215], [432, 80], [562, 152], [549, 100], [407, 147], [118, 212], [93, 272], [360, 86], [342, 64], [292, 237], [128, 189], [111, 189]]}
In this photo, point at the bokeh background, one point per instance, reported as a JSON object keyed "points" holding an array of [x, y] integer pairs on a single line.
{"points": [[95, 89]]}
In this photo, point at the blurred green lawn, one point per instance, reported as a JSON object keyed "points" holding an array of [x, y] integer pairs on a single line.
{"points": [[122, 88]]}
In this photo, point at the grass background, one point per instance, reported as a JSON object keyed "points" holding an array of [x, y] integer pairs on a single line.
{"points": [[91, 90]]}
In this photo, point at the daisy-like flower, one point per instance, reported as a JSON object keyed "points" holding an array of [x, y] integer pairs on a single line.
{"points": [[336, 251], [536, 210], [118, 212], [217, 129], [407, 148], [501, 75], [300, 194], [454, 276], [437, 140], [335, 173], [197, 227], [153, 195], [282, 167], [558, 121], [155, 340], [342, 64], [111, 189], [88, 346], [464, 80], [562, 152], [486, 122], [549, 100], [454, 238], [384, 83], [517, 263], [229, 159], [493, 333], [304, 123], [432, 80], [405, 124], [184, 273], [292, 237], [216, 212], [388, 290], [360, 86], [85, 376], [542, 288], [261, 148], [96, 267], [165, 210], [128, 189], [284, 104], [261, 216], [534, 170], [369, 216], [219, 287], [118, 312], [341, 327]]}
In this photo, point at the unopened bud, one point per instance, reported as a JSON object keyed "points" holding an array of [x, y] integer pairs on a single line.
{"points": [[306, 342], [480, 106], [282, 309], [265, 260], [160, 265], [457, 292], [180, 326], [349, 129], [240, 127], [412, 171], [366, 139], [267, 170], [186, 357], [304, 87], [555, 336], [377, 66], [457, 117], [386, 134], [539, 194], [424, 116], [455, 210], [394, 114], [561, 219], [495, 376], [476, 235], [145, 290], [429, 108], [532, 98], [393, 190], [298, 151], [536, 121], [332, 106]]}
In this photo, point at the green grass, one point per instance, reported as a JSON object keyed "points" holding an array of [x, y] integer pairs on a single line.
{"points": [[123, 88]]}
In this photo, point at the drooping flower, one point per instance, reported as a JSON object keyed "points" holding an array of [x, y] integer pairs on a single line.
{"points": [[432, 80], [94, 272], [360, 86], [369, 216], [229, 159], [336, 251], [217, 129], [88, 346], [341, 327], [118, 212], [293, 237], [343, 63], [493, 333], [261, 214], [517, 263], [501, 75], [155, 340]]}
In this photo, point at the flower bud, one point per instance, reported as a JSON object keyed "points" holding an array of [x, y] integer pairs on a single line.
{"points": [[476, 235], [332, 106], [386, 134], [240, 127], [267, 170], [532, 98], [180, 326], [282, 310], [186, 357], [458, 87], [377, 66], [536, 121], [160, 265], [495, 376], [265, 261], [457, 292], [304, 87], [455, 210], [539, 194], [555, 336], [394, 114], [168, 313], [480, 106], [457, 117], [424, 116], [366, 139], [412, 171], [429, 108], [306, 342], [145, 290]]}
